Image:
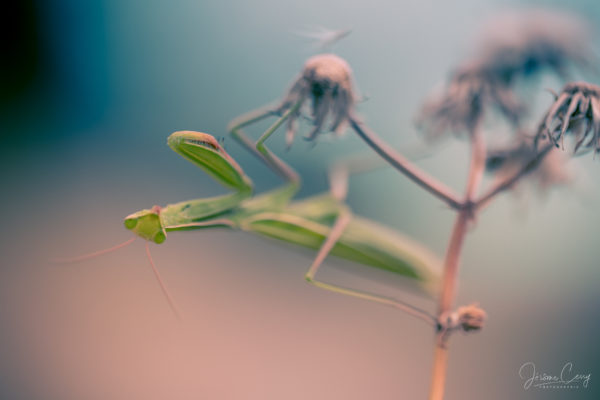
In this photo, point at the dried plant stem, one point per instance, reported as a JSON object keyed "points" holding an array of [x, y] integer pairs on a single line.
{"points": [[438, 375], [508, 183], [427, 182], [452, 259]]}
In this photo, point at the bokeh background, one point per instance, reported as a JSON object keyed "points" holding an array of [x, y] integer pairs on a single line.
{"points": [[90, 91]]}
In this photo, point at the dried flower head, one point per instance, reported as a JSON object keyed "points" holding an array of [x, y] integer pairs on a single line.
{"points": [[465, 319], [326, 80], [514, 45], [576, 111], [470, 318], [524, 43], [469, 92], [550, 172]]}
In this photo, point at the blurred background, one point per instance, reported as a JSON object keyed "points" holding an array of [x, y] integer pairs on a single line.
{"points": [[89, 92]]}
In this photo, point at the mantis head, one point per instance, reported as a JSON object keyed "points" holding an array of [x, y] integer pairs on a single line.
{"points": [[147, 225]]}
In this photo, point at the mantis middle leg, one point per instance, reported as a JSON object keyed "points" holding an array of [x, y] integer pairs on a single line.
{"points": [[259, 149]]}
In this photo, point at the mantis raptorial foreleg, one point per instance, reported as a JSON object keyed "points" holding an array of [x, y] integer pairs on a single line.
{"points": [[339, 177]]}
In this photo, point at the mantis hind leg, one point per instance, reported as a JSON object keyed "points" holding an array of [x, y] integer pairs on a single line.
{"points": [[339, 177]]}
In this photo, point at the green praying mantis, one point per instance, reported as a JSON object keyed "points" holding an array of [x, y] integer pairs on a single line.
{"points": [[322, 222]]}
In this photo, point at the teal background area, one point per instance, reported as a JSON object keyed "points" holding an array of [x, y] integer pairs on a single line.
{"points": [[84, 144]]}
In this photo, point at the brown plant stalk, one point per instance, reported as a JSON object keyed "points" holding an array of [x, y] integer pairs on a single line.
{"points": [[466, 208], [452, 260]]}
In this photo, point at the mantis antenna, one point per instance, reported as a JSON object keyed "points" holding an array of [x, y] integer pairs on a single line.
{"points": [[163, 287], [89, 256]]}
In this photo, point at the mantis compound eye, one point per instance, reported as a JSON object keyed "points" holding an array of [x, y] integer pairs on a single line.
{"points": [[130, 223], [160, 237]]}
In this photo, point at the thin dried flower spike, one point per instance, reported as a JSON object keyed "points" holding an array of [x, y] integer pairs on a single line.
{"points": [[521, 44], [326, 80], [576, 111], [469, 92]]}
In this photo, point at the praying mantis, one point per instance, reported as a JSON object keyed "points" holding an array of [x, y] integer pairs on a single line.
{"points": [[322, 222]]}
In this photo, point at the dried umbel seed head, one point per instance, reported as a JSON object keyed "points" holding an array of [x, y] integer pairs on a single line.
{"points": [[550, 171], [576, 111], [470, 318], [520, 44], [515, 45], [469, 92], [326, 80]]}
